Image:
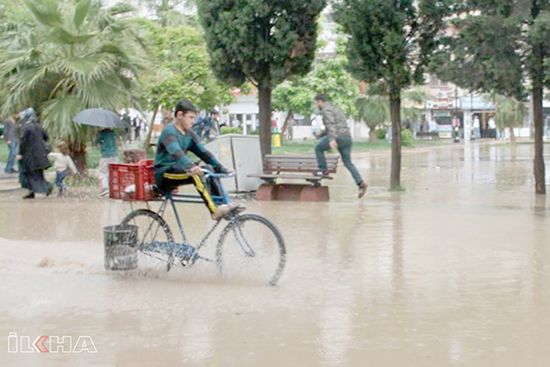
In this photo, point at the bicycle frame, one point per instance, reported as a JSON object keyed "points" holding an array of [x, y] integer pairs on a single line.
{"points": [[172, 198]]}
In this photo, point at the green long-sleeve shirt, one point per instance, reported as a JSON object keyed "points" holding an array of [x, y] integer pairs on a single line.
{"points": [[172, 150]]}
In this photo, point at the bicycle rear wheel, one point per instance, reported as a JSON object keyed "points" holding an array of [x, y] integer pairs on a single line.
{"points": [[251, 247], [151, 228]]}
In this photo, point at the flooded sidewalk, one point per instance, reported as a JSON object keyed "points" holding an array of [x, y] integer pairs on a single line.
{"points": [[455, 271]]}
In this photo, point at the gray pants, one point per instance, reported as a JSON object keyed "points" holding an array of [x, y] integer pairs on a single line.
{"points": [[344, 147], [104, 171]]}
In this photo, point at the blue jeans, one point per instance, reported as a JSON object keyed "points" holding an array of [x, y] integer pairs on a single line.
{"points": [[344, 147], [12, 153], [59, 178]]}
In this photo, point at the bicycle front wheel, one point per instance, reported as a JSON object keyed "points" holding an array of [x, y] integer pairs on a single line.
{"points": [[152, 228], [251, 247]]}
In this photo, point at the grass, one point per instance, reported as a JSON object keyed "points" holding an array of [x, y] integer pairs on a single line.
{"points": [[308, 146], [93, 154]]}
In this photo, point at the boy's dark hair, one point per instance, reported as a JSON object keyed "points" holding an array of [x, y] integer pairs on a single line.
{"points": [[185, 106], [321, 97]]}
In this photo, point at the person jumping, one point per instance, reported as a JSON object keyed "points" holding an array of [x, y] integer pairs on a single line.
{"points": [[338, 137]]}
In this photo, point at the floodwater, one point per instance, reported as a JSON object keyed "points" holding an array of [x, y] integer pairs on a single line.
{"points": [[455, 271]]}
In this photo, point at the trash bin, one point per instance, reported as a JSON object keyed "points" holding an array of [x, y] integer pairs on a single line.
{"points": [[120, 247], [276, 140]]}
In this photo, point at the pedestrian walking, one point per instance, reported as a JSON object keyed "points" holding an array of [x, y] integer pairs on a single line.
{"points": [[106, 139], [477, 128], [64, 165], [338, 137], [33, 153], [491, 124], [10, 137]]}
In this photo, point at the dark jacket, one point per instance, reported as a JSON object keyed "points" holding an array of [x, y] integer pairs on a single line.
{"points": [[33, 147]]}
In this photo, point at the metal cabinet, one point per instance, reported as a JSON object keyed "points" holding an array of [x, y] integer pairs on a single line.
{"points": [[241, 154]]}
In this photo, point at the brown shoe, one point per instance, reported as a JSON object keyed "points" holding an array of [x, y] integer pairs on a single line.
{"points": [[362, 190]]}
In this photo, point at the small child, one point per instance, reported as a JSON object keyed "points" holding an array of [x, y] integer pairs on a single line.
{"points": [[63, 163]]}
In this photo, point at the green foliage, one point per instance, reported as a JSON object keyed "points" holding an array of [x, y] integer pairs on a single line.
{"points": [[413, 106], [328, 77], [231, 130], [380, 134], [68, 56], [373, 110], [260, 40], [167, 12], [407, 139], [181, 68], [497, 46], [390, 42], [509, 112]]}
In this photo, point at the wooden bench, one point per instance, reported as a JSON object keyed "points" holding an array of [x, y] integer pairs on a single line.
{"points": [[294, 167]]}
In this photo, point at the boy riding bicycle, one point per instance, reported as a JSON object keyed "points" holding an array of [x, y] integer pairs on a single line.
{"points": [[173, 168]]}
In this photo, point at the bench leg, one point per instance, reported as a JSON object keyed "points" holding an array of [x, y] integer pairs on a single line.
{"points": [[265, 192]]}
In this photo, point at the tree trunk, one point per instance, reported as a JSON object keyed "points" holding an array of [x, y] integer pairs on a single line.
{"points": [[537, 78], [78, 154], [372, 135], [395, 111], [264, 90], [538, 164], [147, 141], [512, 135], [285, 124]]}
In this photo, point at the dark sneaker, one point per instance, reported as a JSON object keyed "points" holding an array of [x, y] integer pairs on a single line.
{"points": [[362, 190], [320, 173], [50, 190], [30, 195]]}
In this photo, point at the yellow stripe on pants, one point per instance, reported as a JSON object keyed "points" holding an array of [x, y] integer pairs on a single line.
{"points": [[199, 185]]}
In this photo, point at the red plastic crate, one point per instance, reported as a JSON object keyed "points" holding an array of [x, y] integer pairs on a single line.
{"points": [[123, 176]]}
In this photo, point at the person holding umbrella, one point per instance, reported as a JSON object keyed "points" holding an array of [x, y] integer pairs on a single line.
{"points": [[105, 138], [33, 154]]}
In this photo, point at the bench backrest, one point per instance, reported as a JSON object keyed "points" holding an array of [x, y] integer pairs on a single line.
{"points": [[297, 163]]}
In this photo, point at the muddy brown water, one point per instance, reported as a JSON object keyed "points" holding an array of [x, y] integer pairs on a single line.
{"points": [[455, 271]]}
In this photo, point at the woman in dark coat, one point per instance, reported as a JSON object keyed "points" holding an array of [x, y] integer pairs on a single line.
{"points": [[34, 155]]}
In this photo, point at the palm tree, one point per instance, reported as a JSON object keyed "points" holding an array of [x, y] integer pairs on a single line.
{"points": [[374, 110], [414, 101], [70, 56], [510, 113]]}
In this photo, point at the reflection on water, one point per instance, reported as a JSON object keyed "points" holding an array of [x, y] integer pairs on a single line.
{"points": [[454, 271]]}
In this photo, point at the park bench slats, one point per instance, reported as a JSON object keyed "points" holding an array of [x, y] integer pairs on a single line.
{"points": [[278, 167]]}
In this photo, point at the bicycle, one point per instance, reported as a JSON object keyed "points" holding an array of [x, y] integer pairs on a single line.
{"points": [[251, 233]]}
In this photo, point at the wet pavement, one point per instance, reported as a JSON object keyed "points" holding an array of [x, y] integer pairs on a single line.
{"points": [[455, 271]]}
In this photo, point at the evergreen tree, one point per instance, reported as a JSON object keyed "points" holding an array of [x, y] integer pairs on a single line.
{"points": [[501, 46], [389, 45], [260, 41]]}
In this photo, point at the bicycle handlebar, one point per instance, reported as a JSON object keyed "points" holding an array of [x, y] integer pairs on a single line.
{"points": [[208, 173]]}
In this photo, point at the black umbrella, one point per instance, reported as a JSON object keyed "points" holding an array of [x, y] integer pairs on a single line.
{"points": [[101, 118]]}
